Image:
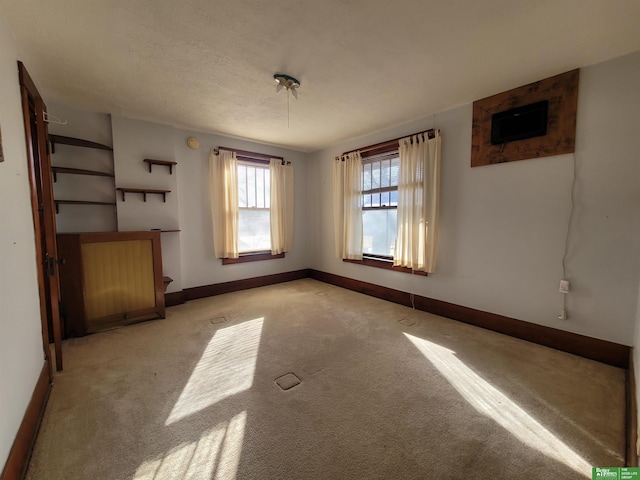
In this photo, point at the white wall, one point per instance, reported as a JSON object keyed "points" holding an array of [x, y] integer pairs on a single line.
{"points": [[21, 355], [95, 127], [503, 226]]}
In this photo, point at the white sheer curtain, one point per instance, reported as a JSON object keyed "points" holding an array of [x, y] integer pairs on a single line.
{"points": [[418, 198], [347, 206], [281, 211], [223, 195]]}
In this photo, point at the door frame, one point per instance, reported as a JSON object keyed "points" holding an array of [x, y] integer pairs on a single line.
{"points": [[44, 217]]}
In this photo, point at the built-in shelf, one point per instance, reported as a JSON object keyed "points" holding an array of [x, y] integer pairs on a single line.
{"points": [[165, 163], [77, 171], [76, 142], [144, 192], [79, 202]]}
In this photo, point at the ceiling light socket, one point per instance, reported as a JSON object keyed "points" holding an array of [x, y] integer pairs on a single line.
{"points": [[287, 81]]}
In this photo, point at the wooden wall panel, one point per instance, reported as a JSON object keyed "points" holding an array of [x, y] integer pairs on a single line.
{"points": [[562, 93], [118, 277]]}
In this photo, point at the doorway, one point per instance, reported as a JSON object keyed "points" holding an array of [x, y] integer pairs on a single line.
{"points": [[44, 217]]}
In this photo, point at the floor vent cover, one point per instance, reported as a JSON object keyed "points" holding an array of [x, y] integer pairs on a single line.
{"points": [[287, 381], [217, 320], [408, 322]]}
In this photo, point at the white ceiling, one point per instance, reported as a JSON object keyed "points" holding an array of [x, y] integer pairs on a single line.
{"points": [[364, 65]]}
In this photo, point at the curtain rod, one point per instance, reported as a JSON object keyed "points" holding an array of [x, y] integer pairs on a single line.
{"points": [[250, 155], [389, 143]]}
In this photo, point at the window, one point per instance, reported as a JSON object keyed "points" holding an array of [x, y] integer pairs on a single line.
{"points": [[251, 197], [380, 204], [388, 218], [254, 194]]}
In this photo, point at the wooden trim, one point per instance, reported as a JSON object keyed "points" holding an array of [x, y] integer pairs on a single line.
{"points": [[387, 265], [94, 237], [631, 454], [43, 213], [253, 156], [37, 226], [174, 298], [244, 284], [251, 257], [588, 347], [18, 458], [387, 146]]}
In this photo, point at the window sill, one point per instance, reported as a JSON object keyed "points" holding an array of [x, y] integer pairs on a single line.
{"points": [[251, 257], [386, 264]]}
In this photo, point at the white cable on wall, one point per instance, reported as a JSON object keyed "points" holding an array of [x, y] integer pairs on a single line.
{"points": [[568, 234]]}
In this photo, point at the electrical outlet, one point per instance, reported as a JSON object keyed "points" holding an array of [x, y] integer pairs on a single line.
{"points": [[564, 286]]}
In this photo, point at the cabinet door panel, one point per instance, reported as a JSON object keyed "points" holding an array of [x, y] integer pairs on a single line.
{"points": [[118, 277]]}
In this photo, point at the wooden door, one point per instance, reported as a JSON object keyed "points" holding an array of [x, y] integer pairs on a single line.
{"points": [[44, 216]]}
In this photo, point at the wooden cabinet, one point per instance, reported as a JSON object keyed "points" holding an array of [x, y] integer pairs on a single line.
{"points": [[109, 279]]}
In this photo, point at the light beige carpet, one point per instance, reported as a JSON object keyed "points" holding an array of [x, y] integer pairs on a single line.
{"points": [[384, 392]]}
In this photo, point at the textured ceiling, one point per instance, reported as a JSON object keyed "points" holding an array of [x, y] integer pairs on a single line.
{"points": [[363, 64]]}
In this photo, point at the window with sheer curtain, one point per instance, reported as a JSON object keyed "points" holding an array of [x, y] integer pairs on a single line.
{"points": [[251, 198], [388, 217]]}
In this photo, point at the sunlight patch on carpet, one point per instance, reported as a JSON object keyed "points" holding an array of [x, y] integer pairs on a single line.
{"points": [[489, 401], [226, 367], [215, 455]]}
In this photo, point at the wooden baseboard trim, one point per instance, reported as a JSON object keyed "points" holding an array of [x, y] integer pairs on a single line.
{"points": [[588, 347], [631, 459], [174, 298], [16, 465], [244, 284]]}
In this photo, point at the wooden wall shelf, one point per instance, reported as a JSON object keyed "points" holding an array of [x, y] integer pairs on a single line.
{"points": [[76, 142], [165, 163], [144, 192], [78, 171], [79, 202]]}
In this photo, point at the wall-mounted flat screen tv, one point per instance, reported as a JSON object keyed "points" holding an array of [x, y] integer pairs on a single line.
{"points": [[519, 123]]}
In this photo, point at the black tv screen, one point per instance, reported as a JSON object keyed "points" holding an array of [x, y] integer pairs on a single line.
{"points": [[519, 123]]}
